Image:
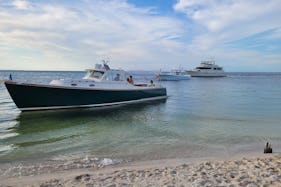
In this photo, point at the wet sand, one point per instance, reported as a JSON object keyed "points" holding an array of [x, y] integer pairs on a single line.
{"points": [[261, 170]]}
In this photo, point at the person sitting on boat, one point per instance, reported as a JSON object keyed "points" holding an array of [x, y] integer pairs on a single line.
{"points": [[117, 78], [151, 84], [130, 79]]}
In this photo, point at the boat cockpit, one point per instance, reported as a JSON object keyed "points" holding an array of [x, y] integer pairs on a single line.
{"points": [[104, 73]]}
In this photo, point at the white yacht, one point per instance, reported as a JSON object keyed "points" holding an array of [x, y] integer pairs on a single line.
{"points": [[207, 68]]}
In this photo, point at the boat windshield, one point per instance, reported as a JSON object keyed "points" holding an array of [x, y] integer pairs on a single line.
{"points": [[94, 74], [97, 74], [115, 76]]}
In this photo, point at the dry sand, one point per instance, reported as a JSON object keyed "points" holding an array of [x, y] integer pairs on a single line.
{"points": [[262, 170]]}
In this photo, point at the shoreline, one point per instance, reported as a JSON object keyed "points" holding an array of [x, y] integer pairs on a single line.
{"points": [[252, 170]]}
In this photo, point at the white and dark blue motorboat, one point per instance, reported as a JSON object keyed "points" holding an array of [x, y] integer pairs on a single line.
{"points": [[101, 86], [173, 75]]}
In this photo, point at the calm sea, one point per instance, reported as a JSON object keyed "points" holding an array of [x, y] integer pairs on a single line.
{"points": [[203, 117]]}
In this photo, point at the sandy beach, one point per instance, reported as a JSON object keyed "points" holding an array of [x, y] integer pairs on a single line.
{"points": [[261, 170]]}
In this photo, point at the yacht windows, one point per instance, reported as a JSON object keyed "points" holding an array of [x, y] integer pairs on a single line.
{"points": [[203, 68], [218, 68]]}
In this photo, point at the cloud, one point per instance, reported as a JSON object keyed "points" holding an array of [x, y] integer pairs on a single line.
{"points": [[221, 25], [82, 31], [76, 34], [20, 4], [237, 18]]}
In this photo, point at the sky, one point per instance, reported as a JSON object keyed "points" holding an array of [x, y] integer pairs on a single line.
{"points": [[242, 36]]}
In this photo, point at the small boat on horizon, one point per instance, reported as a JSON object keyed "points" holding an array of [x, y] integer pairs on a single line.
{"points": [[207, 68], [101, 86], [173, 75]]}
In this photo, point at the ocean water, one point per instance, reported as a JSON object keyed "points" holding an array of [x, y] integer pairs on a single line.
{"points": [[202, 117]]}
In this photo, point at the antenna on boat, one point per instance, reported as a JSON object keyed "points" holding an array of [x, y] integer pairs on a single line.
{"points": [[105, 62]]}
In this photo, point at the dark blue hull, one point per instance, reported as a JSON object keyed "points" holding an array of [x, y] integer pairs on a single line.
{"points": [[43, 97]]}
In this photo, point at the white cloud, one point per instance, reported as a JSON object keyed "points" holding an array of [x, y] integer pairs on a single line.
{"points": [[275, 34], [83, 31], [20, 4], [48, 34], [234, 18], [222, 22]]}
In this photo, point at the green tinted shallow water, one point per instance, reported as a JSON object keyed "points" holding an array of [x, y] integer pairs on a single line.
{"points": [[201, 118]]}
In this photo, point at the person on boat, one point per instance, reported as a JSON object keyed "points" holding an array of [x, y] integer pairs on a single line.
{"points": [[117, 78], [130, 79]]}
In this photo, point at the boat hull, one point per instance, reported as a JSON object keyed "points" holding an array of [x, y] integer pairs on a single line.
{"points": [[206, 74], [29, 97], [173, 77]]}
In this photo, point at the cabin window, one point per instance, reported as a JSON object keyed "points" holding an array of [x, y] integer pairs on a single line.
{"points": [[203, 68], [73, 84], [91, 85]]}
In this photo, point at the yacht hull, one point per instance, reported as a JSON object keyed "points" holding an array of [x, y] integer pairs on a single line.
{"points": [[206, 74], [166, 77], [30, 97]]}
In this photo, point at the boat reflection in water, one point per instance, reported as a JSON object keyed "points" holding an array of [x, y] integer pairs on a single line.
{"points": [[100, 87], [40, 121], [93, 131]]}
